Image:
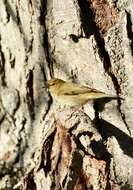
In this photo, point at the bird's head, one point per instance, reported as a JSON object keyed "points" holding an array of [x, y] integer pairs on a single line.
{"points": [[54, 84]]}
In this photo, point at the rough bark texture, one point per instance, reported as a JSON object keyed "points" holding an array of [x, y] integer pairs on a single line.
{"points": [[43, 146]]}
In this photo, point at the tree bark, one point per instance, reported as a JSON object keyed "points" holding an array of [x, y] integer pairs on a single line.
{"points": [[44, 146]]}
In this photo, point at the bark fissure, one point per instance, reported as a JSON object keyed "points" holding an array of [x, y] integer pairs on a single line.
{"points": [[11, 13], [50, 100], [28, 181], [46, 154], [2, 66], [107, 158], [31, 40], [75, 170], [7, 10], [30, 94], [48, 55], [12, 59], [78, 143], [90, 27], [17, 103], [21, 145], [129, 30], [18, 16], [45, 39], [30, 48]]}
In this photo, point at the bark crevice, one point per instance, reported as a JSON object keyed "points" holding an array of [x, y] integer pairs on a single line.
{"points": [[30, 94], [129, 30]]}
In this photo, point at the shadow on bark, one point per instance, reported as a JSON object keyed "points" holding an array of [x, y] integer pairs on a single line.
{"points": [[106, 130]]}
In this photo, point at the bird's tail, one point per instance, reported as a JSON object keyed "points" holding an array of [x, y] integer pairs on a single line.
{"points": [[101, 95]]}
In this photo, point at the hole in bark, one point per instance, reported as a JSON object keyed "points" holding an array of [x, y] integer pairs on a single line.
{"points": [[74, 38]]}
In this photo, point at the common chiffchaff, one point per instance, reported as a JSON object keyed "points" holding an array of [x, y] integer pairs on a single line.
{"points": [[72, 94]]}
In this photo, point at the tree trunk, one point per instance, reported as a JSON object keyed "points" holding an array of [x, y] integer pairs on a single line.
{"points": [[44, 146]]}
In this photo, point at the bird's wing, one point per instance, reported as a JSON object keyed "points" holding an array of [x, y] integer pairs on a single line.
{"points": [[77, 89]]}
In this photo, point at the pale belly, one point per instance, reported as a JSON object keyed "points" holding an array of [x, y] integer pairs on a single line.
{"points": [[71, 101]]}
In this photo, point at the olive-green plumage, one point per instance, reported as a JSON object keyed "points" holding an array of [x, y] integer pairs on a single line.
{"points": [[72, 94]]}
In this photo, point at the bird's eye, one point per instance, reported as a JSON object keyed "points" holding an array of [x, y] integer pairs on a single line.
{"points": [[52, 84]]}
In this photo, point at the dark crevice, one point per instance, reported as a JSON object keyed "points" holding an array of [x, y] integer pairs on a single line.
{"points": [[2, 72], [129, 30], [43, 12], [30, 45], [106, 61], [46, 154], [108, 130], [75, 170], [11, 12], [29, 183], [18, 17], [50, 100], [32, 6], [2, 119], [64, 181], [79, 145], [102, 127], [90, 28], [53, 186], [22, 149], [82, 182], [126, 186], [97, 147], [12, 60], [123, 139], [30, 94], [86, 16], [74, 127], [48, 56], [2, 66], [18, 103], [74, 38], [107, 158], [31, 41], [7, 11], [44, 74]]}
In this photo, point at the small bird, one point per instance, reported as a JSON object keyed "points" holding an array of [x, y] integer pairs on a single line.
{"points": [[72, 94]]}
